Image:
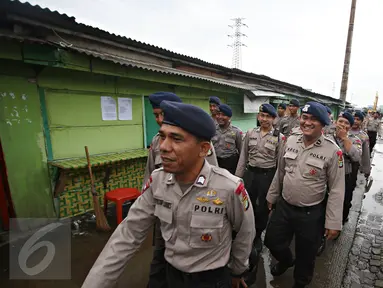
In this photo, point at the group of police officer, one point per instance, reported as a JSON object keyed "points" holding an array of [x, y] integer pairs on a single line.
{"points": [[211, 191]]}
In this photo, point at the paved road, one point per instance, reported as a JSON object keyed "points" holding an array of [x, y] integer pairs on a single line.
{"points": [[365, 265]]}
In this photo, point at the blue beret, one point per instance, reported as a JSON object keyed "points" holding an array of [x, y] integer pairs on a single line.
{"points": [[282, 105], [268, 108], [214, 100], [190, 118], [359, 114], [225, 109], [347, 115], [294, 102], [328, 110], [156, 98], [318, 110]]}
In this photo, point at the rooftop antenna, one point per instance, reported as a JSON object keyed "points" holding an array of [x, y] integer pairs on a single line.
{"points": [[237, 43]]}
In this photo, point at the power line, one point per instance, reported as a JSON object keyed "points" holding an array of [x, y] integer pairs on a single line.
{"points": [[237, 43]]}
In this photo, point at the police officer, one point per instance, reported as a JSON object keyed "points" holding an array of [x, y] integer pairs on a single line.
{"points": [[373, 125], [199, 206], [227, 141], [281, 114], [257, 165], [365, 163], [214, 102], [154, 158], [352, 149], [158, 264], [307, 163], [291, 121]]}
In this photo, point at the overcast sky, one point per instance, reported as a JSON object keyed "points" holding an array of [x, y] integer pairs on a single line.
{"points": [[297, 41]]}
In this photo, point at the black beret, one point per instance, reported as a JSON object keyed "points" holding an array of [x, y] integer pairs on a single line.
{"points": [[347, 115], [282, 105], [225, 109], [328, 110], [190, 118], [359, 114], [268, 108], [156, 98], [294, 102], [214, 100], [318, 110]]}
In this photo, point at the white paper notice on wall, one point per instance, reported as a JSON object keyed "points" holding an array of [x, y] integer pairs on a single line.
{"points": [[125, 108], [252, 105], [108, 108]]}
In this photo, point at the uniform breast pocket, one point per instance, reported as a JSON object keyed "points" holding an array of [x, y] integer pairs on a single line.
{"points": [[270, 148], [290, 160], [166, 216], [205, 230], [313, 168], [253, 145], [230, 143]]}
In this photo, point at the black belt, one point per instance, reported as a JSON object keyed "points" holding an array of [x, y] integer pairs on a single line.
{"points": [[304, 208], [260, 170], [203, 275]]}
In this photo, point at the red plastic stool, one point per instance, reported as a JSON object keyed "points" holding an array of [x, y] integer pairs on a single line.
{"points": [[119, 196]]}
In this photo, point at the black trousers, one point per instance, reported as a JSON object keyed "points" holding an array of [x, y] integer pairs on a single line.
{"points": [[229, 163], [157, 274], [372, 135], [257, 183], [218, 278], [348, 194], [306, 223]]}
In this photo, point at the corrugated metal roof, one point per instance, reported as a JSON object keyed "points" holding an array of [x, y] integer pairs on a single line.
{"points": [[162, 69]]}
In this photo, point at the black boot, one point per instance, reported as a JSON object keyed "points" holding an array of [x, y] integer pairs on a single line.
{"points": [[280, 268]]}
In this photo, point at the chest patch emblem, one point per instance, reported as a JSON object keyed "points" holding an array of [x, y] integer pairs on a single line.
{"points": [[203, 199], [211, 193], [206, 237], [313, 172], [217, 201]]}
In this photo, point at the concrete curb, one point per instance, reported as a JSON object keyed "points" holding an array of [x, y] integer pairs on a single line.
{"points": [[342, 246]]}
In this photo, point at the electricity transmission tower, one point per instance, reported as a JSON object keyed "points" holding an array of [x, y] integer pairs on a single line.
{"points": [[237, 43]]}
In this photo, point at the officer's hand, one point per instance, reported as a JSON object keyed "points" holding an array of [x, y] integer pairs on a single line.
{"points": [[341, 132], [331, 234], [270, 206], [238, 283]]}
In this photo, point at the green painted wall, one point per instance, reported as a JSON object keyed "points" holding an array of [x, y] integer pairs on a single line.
{"points": [[244, 121], [23, 142]]}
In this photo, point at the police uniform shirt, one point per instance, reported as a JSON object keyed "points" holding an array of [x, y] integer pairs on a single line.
{"points": [[259, 151], [154, 158], [196, 225], [277, 121], [227, 142], [365, 162], [288, 123], [355, 153], [303, 173], [373, 125]]}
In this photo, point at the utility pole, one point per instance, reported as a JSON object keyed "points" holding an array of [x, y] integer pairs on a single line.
{"points": [[346, 67], [237, 43]]}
